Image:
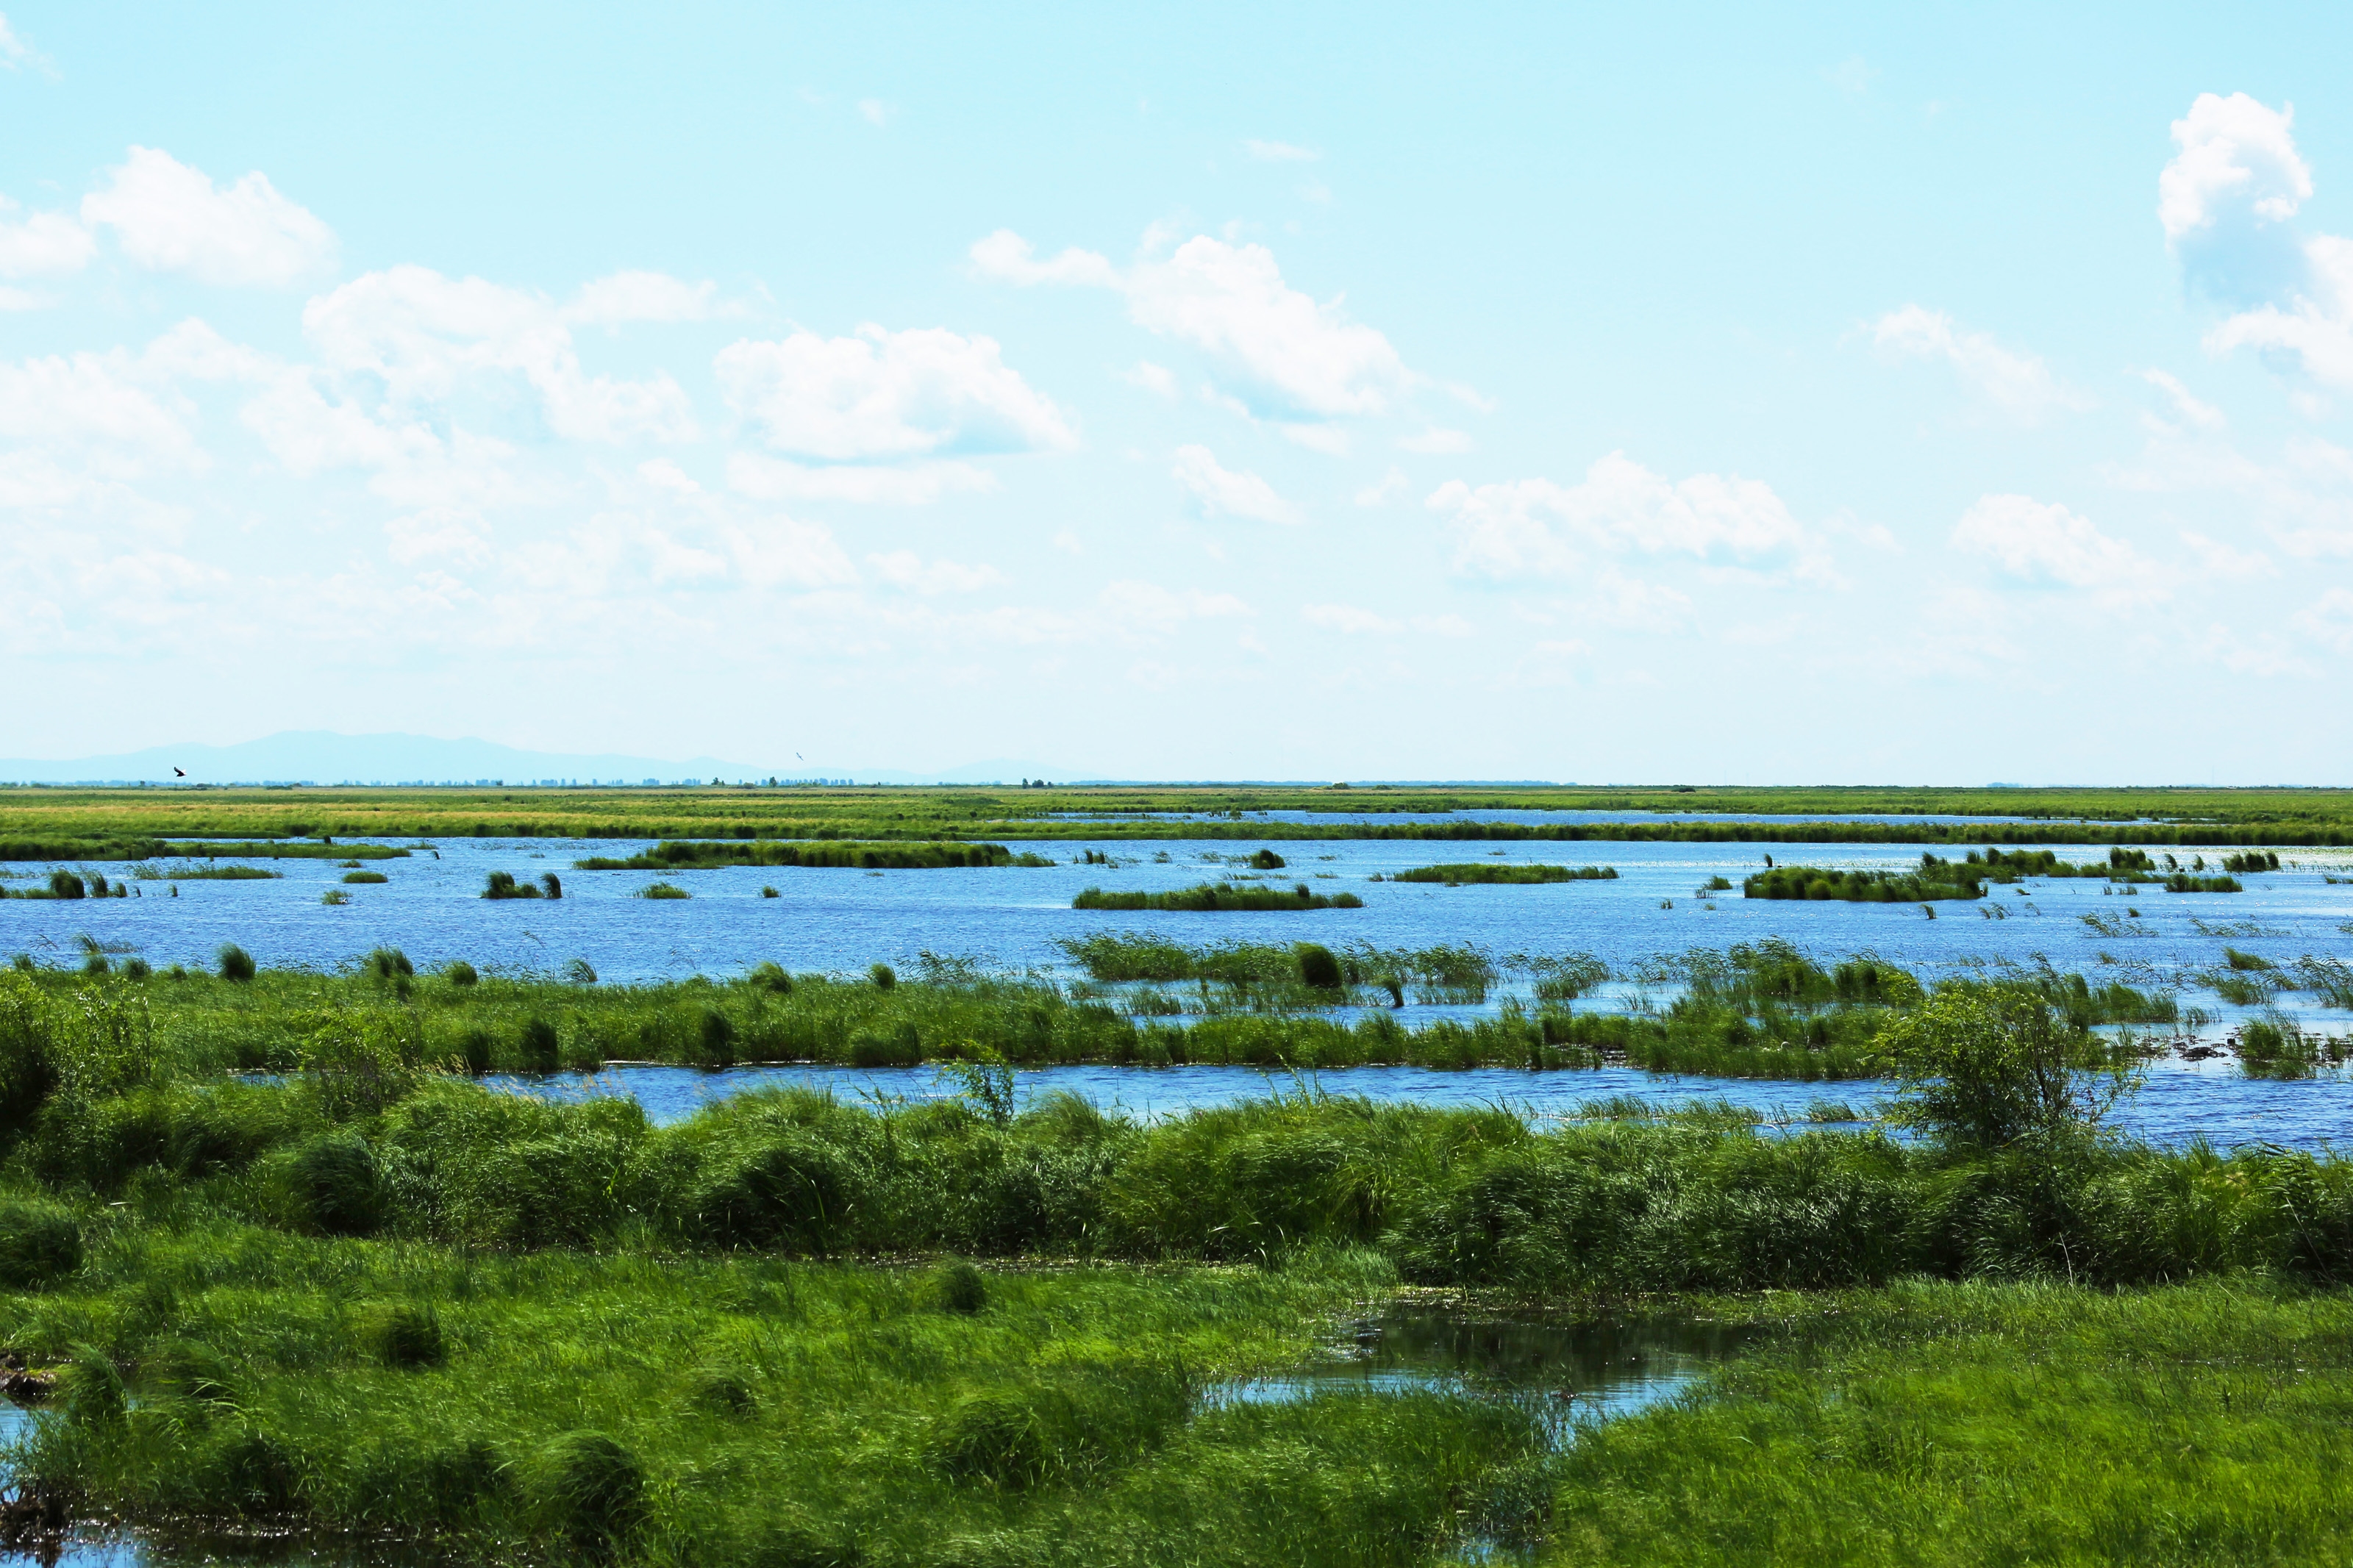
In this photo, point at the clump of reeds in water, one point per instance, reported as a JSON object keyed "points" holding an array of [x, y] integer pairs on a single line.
{"points": [[711, 854], [504, 885], [1483, 872], [662, 890], [1218, 898], [1935, 879]]}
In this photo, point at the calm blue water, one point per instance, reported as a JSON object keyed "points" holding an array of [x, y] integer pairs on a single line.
{"points": [[843, 919]]}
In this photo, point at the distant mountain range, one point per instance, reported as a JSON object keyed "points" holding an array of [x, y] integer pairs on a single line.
{"points": [[323, 757]]}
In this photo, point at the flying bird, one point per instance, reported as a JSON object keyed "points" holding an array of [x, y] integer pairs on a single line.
{"points": [[179, 773]]}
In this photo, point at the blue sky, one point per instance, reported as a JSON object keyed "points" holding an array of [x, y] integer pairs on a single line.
{"points": [[1224, 392]]}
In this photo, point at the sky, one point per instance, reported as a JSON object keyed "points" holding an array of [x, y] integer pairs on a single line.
{"points": [[1631, 395]]}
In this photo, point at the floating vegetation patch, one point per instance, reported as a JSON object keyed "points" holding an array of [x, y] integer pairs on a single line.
{"points": [[1482, 872], [1219, 897], [361, 877], [224, 874], [712, 854], [662, 890], [2253, 861], [2184, 882]]}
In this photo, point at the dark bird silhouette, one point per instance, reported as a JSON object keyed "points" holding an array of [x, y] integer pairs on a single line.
{"points": [[179, 773]]}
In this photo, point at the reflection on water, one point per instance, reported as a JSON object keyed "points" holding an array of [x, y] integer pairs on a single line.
{"points": [[1565, 1373]]}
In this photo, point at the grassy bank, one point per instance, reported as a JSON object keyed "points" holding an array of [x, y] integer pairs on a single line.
{"points": [[632, 1407], [1965, 1425]]}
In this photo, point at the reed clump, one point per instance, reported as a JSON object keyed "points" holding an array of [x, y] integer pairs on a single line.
{"points": [[708, 855], [1495, 872], [1219, 897]]}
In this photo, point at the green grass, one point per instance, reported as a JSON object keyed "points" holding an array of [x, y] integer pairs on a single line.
{"points": [[1968, 1424], [1483, 872], [366, 877], [571, 1406], [227, 874], [1219, 897]]}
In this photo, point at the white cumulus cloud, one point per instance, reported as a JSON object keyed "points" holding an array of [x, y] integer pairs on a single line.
{"points": [[425, 335], [2018, 384], [2042, 542], [1223, 492], [42, 245], [2235, 154], [1280, 353], [169, 217], [625, 296], [1537, 528], [885, 395]]}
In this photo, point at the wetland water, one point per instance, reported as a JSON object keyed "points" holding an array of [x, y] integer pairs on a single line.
{"points": [[1012, 919]]}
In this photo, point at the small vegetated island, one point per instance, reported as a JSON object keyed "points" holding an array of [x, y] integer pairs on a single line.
{"points": [[1219, 897], [692, 855], [1936, 877], [1483, 872]]}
